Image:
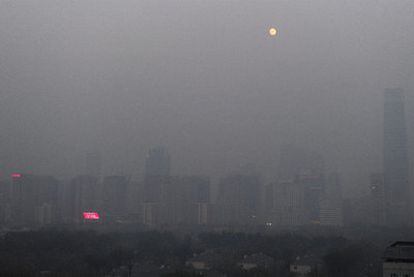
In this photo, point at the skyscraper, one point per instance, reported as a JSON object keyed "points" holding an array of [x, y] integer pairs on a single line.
{"points": [[239, 201], [34, 199], [83, 193], [303, 169], [115, 191], [330, 206], [156, 179], [287, 206], [157, 163], [397, 191], [377, 199]]}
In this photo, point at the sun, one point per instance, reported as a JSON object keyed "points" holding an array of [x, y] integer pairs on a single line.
{"points": [[272, 31]]}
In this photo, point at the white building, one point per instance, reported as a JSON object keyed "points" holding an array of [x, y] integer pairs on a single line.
{"points": [[398, 260]]}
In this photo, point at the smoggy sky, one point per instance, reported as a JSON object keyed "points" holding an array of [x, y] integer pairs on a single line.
{"points": [[202, 78]]}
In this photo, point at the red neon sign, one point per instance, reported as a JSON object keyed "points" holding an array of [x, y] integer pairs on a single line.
{"points": [[16, 175], [91, 215]]}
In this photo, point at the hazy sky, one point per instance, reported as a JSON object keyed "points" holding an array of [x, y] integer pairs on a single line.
{"points": [[202, 78]]}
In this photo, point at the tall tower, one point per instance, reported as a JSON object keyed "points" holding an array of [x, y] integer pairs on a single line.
{"points": [[397, 192]]}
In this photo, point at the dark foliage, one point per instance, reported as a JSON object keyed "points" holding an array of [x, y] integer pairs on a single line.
{"points": [[87, 253]]}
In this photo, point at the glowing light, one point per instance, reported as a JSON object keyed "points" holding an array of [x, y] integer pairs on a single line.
{"points": [[272, 31], [16, 175], [90, 215]]}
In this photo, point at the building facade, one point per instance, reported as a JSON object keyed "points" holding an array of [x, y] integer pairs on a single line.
{"points": [[396, 181], [157, 162], [114, 198], [34, 200], [398, 260], [239, 201], [288, 204], [84, 193]]}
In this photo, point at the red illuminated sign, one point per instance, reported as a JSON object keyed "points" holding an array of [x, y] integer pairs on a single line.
{"points": [[16, 175], [90, 215]]}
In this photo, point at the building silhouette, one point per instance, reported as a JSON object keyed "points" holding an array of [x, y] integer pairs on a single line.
{"points": [[114, 196], [377, 199], [239, 200], [157, 162], [157, 181], [34, 200], [398, 259], [396, 185], [313, 185], [84, 194], [287, 206], [177, 200], [330, 206]]}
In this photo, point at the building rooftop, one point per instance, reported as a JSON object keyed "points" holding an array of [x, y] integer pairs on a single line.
{"points": [[400, 251]]}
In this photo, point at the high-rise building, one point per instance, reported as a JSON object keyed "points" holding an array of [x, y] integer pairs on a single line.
{"points": [[287, 204], [34, 199], [157, 162], [193, 204], [177, 201], [397, 192], [5, 209], [154, 193], [304, 169], [156, 181], [331, 203], [84, 195], [313, 186], [115, 191], [377, 199], [239, 201]]}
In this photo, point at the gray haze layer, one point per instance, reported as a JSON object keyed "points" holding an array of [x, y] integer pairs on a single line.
{"points": [[202, 78]]}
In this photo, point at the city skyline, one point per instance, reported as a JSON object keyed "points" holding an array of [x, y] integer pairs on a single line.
{"points": [[210, 138], [217, 98]]}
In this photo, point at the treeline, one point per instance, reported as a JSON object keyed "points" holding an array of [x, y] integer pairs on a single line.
{"points": [[87, 253]]}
